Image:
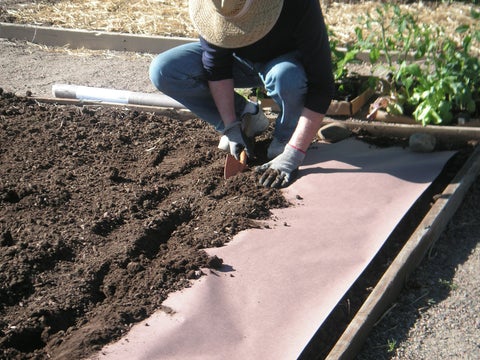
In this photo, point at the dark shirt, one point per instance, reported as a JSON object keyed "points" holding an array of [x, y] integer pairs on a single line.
{"points": [[300, 27]]}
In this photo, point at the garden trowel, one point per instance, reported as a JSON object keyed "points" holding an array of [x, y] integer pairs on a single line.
{"points": [[234, 166]]}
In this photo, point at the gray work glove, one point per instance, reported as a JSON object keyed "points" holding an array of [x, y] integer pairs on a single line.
{"points": [[278, 172], [236, 139]]}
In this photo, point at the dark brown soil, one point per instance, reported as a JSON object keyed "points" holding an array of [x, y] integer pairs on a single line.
{"points": [[104, 211]]}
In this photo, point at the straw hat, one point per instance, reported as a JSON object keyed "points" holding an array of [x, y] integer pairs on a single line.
{"points": [[234, 23]]}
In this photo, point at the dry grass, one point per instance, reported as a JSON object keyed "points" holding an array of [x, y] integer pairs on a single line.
{"points": [[155, 17], [170, 17], [343, 18]]}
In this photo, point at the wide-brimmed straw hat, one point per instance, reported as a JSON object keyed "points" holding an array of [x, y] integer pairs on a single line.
{"points": [[234, 23]]}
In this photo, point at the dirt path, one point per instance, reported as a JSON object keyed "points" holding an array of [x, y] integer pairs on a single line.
{"points": [[435, 317]]}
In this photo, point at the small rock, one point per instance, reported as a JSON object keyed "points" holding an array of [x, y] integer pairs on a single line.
{"points": [[191, 275], [334, 132], [7, 239], [216, 243], [114, 174], [421, 142], [214, 262], [134, 267], [12, 197]]}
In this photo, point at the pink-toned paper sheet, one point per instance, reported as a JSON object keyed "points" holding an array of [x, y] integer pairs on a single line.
{"points": [[278, 285]]}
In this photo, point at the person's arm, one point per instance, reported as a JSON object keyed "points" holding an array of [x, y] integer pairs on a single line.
{"points": [[218, 66], [223, 95], [306, 130]]}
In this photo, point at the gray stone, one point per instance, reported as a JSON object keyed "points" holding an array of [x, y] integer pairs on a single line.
{"points": [[334, 132], [421, 142]]}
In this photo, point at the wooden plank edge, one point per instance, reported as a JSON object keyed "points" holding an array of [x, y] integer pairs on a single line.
{"points": [[93, 40], [443, 134], [391, 283], [102, 40], [98, 40], [383, 116]]}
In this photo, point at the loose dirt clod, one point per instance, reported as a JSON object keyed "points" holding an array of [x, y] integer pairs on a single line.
{"points": [[95, 230]]}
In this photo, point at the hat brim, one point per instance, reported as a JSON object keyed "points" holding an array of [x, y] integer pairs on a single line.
{"points": [[234, 32]]}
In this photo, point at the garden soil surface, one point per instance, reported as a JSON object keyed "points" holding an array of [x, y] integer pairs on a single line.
{"points": [[104, 212]]}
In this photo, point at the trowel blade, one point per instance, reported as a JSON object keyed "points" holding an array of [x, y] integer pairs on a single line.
{"points": [[234, 166]]}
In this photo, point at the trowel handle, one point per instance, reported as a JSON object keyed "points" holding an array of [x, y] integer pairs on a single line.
{"points": [[243, 157]]}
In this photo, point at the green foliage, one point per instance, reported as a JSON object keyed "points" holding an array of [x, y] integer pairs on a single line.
{"points": [[433, 77], [391, 345], [342, 57], [448, 284], [348, 85]]}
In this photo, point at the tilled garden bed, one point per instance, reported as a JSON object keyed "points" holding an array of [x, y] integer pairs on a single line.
{"points": [[104, 211]]}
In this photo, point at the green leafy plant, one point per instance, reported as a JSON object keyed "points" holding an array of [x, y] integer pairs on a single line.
{"points": [[448, 284], [391, 345], [433, 78], [347, 83], [342, 56]]}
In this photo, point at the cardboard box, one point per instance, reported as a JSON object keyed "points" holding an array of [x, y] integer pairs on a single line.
{"points": [[350, 108], [337, 107], [269, 104], [383, 116]]}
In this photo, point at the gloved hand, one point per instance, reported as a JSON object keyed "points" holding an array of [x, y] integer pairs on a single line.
{"points": [[236, 140], [279, 171]]}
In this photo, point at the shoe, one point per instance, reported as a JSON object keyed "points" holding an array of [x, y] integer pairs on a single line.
{"points": [[254, 124], [223, 143], [275, 148]]}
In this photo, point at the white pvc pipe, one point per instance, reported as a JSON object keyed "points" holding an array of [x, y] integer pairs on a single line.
{"points": [[96, 94]]}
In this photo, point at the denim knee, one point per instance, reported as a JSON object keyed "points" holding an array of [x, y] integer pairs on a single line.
{"points": [[158, 69], [179, 67], [286, 80]]}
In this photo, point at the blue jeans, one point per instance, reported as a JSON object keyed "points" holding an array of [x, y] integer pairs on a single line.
{"points": [[179, 73]]}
